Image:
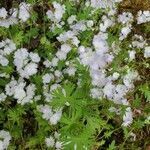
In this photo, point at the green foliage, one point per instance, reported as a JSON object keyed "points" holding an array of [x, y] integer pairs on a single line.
{"points": [[145, 89]]}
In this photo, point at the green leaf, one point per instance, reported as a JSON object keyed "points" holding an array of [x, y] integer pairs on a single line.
{"points": [[112, 146]]}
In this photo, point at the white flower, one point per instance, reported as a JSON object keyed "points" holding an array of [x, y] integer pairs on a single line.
{"points": [[24, 9], [50, 141], [124, 32], [56, 117], [69, 35], [5, 139], [26, 63], [58, 145], [46, 110], [102, 4], [47, 78], [29, 70], [90, 23], [147, 52], [143, 17], [18, 90], [47, 63], [54, 61], [53, 116], [125, 17], [50, 15], [58, 73], [138, 41], [19, 93], [100, 44], [71, 19], [2, 97], [79, 26], [106, 23], [3, 61], [116, 75], [54, 87], [20, 58], [7, 47], [30, 92], [58, 13], [129, 78], [109, 90], [70, 71], [3, 13], [131, 55], [96, 93], [75, 41], [61, 55], [34, 57], [10, 87], [65, 48], [128, 117]]}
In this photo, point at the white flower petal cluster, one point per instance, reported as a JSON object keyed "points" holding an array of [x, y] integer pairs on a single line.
{"points": [[104, 87], [97, 61], [3, 13], [104, 4], [143, 16], [57, 15], [79, 26], [26, 63], [129, 78], [18, 89], [53, 116], [96, 93], [124, 32], [6, 48], [54, 142], [64, 50], [128, 117], [131, 55], [7, 22], [125, 18], [2, 97], [50, 141], [147, 52], [47, 78], [70, 70], [138, 41], [24, 13], [106, 23], [47, 91], [71, 19], [4, 139], [69, 35]]}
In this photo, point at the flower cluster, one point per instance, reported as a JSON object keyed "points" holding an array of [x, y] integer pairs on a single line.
{"points": [[143, 16], [74, 57], [26, 63], [5, 139], [6, 48], [18, 89], [22, 13], [54, 141], [53, 116]]}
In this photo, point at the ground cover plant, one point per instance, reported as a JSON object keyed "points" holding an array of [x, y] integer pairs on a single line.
{"points": [[75, 74]]}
